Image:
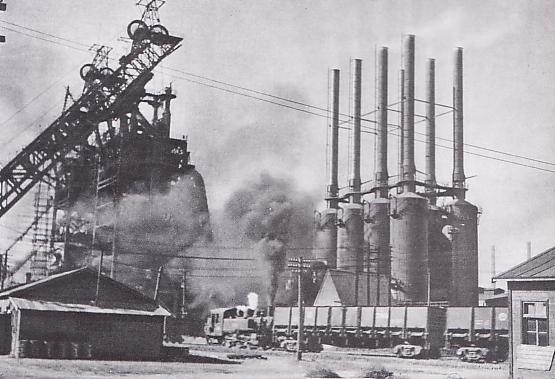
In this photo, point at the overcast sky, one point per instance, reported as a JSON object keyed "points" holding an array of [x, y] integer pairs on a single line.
{"points": [[285, 48]]}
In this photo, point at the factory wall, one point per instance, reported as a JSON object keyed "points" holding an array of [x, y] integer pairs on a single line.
{"points": [[112, 336]]}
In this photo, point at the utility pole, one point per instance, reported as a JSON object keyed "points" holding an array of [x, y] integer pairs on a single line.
{"points": [[158, 278], [299, 265], [429, 289], [99, 274], [300, 332], [183, 301], [368, 277]]}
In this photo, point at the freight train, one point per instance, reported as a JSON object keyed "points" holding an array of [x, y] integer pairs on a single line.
{"points": [[471, 333]]}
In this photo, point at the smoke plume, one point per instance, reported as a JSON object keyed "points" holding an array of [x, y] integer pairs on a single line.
{"points": [[267, 220], [273, 215], [272, 253]]}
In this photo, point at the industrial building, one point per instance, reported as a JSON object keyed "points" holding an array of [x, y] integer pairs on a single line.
{"points": [[392, 226], [79, 314], [111, 187], [531, 287]]}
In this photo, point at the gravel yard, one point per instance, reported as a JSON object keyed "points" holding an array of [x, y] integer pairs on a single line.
{"points": [[212, 362]]}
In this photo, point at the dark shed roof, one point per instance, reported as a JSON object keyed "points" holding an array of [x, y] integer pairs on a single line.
{"points": [[79, 287], [542, 266]]}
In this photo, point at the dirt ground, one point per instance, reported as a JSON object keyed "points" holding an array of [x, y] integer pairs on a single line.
{"points": [[214, 363]]}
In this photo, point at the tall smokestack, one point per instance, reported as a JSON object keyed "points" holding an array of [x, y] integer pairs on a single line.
{"points": [[382, 175], [529, 250], [325, 242], [458, 149], [401, 127], [430, 130], [354, 177], [409, 169], [332, 190], [350, 236]]}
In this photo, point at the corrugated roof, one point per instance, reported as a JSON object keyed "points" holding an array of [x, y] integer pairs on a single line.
{"points": [[39, 305], [23, 287], [542, 266], [22, 291]]}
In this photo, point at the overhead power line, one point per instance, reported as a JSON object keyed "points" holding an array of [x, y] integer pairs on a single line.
{"points": [[176, 271], [41, 93], [190, 257], [45, 39], [44, 33], [55, 39]]}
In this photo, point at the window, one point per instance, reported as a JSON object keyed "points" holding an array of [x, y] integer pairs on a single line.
{"points": [[535, 323]]}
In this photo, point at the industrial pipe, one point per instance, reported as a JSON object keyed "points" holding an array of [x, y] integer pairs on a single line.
{"points": [[430, 131], [382, 175], [354, 177], [458, 150], [332, 190], [401, 127], [409, 168]]}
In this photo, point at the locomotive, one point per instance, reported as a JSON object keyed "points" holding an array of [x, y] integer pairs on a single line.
{"points": [[238, 326], [471, 333]]}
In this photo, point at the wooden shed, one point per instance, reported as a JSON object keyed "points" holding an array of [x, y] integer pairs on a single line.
{"points": [[61, 316], [531, 287]]}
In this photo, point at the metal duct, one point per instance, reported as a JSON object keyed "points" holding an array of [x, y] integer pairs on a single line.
{"points": [[333, 151], [430, 130], [354, 177], [458, 150], [382, 175], [409, 169]]}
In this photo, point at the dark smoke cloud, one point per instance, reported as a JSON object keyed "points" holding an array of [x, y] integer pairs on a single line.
{"points": [[270, 218], [265, 213], [273, 206], [271, 252]]}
